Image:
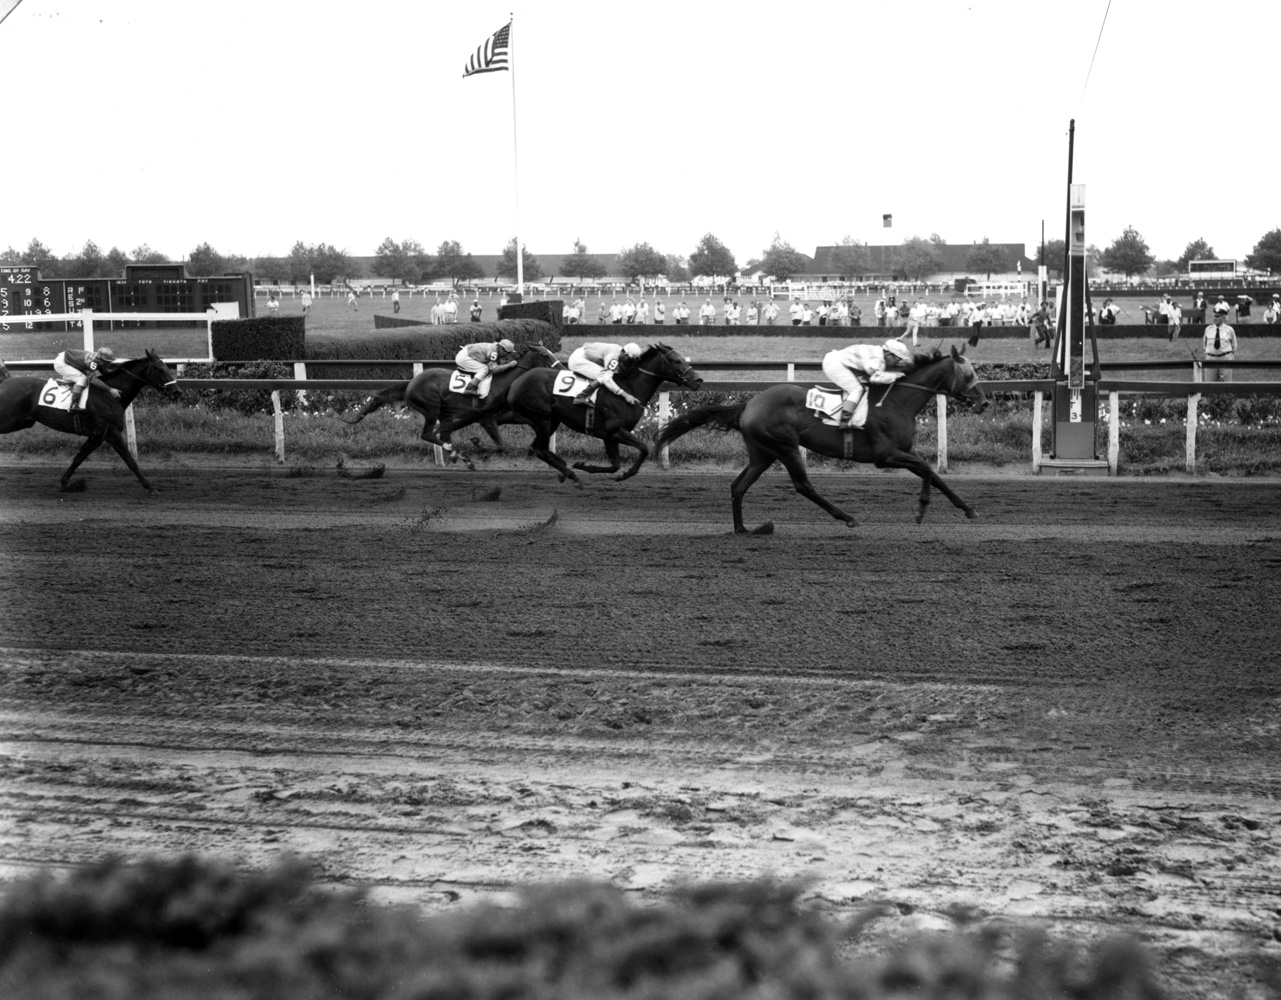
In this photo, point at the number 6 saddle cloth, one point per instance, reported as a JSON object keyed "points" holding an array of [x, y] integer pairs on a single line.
{"points": [[56, 395]]}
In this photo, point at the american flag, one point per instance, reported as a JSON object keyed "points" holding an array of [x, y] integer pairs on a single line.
{"points": [[492, 56]]}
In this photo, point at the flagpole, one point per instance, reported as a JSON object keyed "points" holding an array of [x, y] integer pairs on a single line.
{"points": [[520, 256]]}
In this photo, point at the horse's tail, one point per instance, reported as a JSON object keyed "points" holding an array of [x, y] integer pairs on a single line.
{"points": [[383, 397], [4, 372], [723, 417]]}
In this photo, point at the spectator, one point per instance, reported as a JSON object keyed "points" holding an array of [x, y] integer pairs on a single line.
{"points": [[856, 314], [879, 311], [605, 313], [642, 311], [915, 317], [660, 312], [1200, 302], [681, 314], [1221, 306], [769, 315], [707, 313], [1107, 315], [796, 311], [629, 310], [807, 315], [1176, 319], [1041, 325], [395, 301], [1273, 315], [306, 302], [351, 300], [572, 314], [273, 302], [753, 313], [1220, 344], [1244, 302], [475, 311]]}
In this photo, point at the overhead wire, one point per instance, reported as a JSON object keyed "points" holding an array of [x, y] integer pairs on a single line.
{"points": [[1096, 49]]}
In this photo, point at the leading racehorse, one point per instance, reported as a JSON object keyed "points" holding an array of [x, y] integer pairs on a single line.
{"points": [[428, 394], [103, 418], [776, 425], [611, 418]]}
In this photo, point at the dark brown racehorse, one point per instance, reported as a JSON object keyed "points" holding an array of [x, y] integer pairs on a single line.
{"points": [[428, 394], [102, 419], [776, 425], [611, 418]]}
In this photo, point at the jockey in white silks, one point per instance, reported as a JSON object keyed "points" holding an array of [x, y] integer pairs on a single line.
{"points": [[597, 363], [853, 367]]}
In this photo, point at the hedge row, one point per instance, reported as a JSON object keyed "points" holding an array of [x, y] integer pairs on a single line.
{"points": [[282, 338]]}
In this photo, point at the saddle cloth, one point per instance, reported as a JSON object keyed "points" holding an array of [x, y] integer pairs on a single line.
{"points": [[458, 383], [826, 406], [571, 384], [56, 395]]}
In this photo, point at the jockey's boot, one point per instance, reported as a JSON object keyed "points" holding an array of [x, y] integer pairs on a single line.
{"points": [[473, 386], [76, 392], [847, 411], [584, 397]]}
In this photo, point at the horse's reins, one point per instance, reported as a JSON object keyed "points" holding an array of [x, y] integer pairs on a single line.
{"points": [[949, 393]]}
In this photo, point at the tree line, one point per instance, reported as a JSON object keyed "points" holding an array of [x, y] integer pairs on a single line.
{"points": [[916, 259]]}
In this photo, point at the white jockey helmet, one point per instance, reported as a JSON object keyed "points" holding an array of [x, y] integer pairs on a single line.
{"points": [[632, 350], [898, 349], [106, 354], [507, 345]]}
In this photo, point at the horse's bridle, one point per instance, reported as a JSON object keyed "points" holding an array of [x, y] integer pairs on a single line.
{"points": [[663, 377], [150, 365]]}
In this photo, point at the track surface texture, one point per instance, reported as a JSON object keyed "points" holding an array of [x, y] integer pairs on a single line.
{"points": [[443, 685]]}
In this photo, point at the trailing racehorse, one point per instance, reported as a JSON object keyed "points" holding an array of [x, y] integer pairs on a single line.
{"points": [[428, 393], [546, 400], [24, 402], [776, 425]]}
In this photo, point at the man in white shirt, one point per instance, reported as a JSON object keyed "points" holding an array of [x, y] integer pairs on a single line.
{"points": [[1220, 344]]}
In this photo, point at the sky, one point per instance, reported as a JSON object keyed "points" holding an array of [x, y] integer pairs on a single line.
{"points": [[254, 124]]}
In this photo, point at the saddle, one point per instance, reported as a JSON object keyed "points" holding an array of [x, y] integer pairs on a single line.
{"points": [[826, 403], [56, 395], [458, 380]]}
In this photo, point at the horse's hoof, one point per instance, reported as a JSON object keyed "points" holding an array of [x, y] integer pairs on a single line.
{"points": [[969, 512], [74, 486], [581, 465], [765, 529]]}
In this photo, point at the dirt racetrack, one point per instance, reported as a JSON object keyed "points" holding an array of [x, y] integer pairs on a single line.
{"points": [[1064, 713]]}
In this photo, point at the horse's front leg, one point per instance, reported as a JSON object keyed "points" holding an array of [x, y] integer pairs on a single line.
{"points": [[490, 427], [117, 441], [611, 452], [541, 447], [899, 459]]}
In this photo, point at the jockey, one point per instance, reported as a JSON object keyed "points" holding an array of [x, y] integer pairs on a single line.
{"points": [[855, 366], [597, 363], [77, 367], [483, 360]]}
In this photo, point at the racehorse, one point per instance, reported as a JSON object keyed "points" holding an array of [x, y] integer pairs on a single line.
{"points": [[102, 419], [776, 425], [428, 393], [610, 418]]}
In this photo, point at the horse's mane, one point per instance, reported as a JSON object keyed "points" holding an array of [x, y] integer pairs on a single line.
{"points": [[927, 357]]}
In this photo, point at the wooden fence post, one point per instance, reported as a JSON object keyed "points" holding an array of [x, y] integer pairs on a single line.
{"points": [[280, 425], [131, 433], [1189, 444], [664, 416], [300, 375], [1114, 431], [940, 403], [1037, 398]]}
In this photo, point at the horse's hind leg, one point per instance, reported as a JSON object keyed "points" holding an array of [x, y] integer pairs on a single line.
{"points": [[88, 448], [757, 462], [795, 464]]}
